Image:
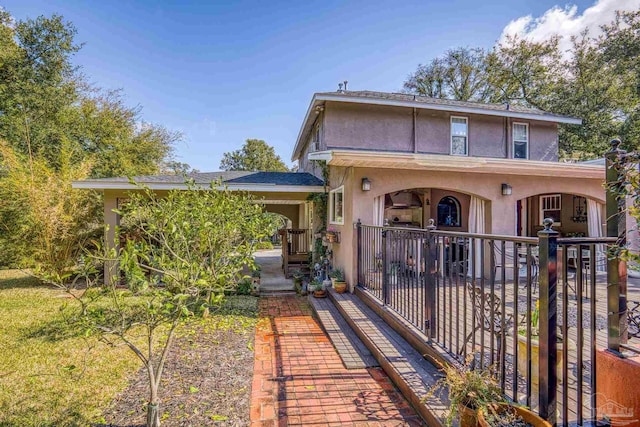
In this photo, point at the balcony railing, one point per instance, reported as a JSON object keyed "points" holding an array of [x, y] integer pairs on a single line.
{"points": [[498, 302]]}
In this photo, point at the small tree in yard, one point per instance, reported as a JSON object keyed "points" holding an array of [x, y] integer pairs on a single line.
{"points": [[182, 252]]}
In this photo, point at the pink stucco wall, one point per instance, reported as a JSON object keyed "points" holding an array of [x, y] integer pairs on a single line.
{"points": [[501, 210], [385, 128]]}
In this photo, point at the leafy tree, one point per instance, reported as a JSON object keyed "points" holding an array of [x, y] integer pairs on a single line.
{"points": [[255, 155], [523, 72], [177, 168], [43, 220], [181, 253], [459, 74], [55, 127], [620, 46]]}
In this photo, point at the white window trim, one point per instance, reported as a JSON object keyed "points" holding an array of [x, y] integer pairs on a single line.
{"points": [[513, 140], [466, 120], [332, 207], [540, 207]]}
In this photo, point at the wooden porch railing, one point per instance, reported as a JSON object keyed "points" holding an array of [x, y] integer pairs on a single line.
{"points": [[296, 246]]}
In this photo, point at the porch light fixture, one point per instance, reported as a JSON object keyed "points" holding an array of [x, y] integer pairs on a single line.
{"points": [[366, 184], [506, 190]]}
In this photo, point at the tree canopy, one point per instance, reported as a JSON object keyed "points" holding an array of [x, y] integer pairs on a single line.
{"points": [[255, 155], [598, 80], [54, 128]]}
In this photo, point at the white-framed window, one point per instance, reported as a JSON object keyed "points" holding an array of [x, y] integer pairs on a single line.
{"points": [[520, 140], [459, 136], [336, 206], [551, 207]]}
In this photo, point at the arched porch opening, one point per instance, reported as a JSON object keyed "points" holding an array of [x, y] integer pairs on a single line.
{"points": [[451, 210], [574, 215]]}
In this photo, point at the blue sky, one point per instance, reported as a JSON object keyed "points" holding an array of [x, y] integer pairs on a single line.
{"points": [[224, 71]]}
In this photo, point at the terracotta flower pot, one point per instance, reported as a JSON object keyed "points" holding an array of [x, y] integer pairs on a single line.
{"points": [[340, 287], [528, 416], [320, 294], [468, 416]]}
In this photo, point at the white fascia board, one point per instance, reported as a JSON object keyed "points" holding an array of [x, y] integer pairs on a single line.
{"points": [[466, 164], [450, 108], [257, 188], [320, 155], [298, 146]]}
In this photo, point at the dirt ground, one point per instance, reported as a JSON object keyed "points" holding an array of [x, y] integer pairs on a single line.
{"points": [[207, 379]]}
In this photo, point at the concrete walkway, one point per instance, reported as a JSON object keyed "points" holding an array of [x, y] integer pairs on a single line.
{"points": [[299, 379], [272, 277]]}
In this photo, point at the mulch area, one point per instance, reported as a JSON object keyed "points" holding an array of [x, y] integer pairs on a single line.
{"points": [[299, 379], [206, 381]]}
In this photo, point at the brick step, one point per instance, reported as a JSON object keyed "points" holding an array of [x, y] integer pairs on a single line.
{"points": [[407, 368], [352, 351]]}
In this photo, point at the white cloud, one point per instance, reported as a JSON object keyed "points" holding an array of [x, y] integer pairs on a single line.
{"points": [[566, 22]]}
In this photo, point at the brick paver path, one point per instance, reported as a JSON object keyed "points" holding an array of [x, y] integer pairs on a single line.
{"points": [[298, 378]]}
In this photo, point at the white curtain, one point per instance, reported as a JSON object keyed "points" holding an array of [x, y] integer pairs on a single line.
{"points": [[594, 227], [476, 225], [594, 218], [378, 210]]}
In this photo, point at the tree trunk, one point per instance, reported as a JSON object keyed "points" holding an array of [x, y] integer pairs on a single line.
{"points": [[153, 415]]}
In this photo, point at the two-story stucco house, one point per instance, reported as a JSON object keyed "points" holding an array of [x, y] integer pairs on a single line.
{"points": [[401, 159]]}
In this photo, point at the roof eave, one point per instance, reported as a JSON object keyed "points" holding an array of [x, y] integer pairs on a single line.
{"points": [[456, 109], [298, 147], [166, 186], [437, 162]]}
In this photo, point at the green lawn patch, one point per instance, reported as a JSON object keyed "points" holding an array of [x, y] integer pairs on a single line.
{"points": [[53, 376]]}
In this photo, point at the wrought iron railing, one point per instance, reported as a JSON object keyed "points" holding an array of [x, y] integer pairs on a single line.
{"points": [[475, 296]]}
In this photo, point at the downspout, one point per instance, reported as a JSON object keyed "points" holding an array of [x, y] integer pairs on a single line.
{"points": [[506, 137], [415, 133]]}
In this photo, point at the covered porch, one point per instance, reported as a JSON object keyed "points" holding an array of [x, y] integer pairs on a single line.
{"points": [[283, 193]]}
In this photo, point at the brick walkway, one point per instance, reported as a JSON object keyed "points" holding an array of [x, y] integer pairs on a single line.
{"points": [[298, 378]]}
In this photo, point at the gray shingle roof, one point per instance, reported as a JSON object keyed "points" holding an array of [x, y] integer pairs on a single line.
{"points": [[231, 177]]}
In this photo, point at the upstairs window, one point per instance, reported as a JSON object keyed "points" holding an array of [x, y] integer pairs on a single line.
{"points": [[459, 136], [336, 206], [551, 207], [520, 141]]}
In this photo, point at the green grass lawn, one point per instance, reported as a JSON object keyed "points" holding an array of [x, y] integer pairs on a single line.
{"points": [[47, 377], [53, 376]]}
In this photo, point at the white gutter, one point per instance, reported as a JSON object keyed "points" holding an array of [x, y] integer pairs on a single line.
{"points": [[166, 186], [425, 106], [441, 162]]}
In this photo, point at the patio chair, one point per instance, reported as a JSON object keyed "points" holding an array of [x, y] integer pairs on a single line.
{"points": [[482, 313]]}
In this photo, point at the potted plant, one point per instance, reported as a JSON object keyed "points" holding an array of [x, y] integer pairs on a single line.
{"points": [[332, 235], [523, 360], [469, 391], [503, 414], [255, 281], [318, 289], [298, 275], [339, 282]]}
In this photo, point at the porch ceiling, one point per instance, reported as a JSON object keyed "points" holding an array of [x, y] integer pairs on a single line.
{"points": [[437, 162]]}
